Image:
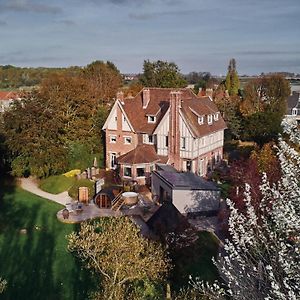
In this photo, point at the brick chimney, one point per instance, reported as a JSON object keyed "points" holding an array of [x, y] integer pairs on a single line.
{"points": [[174, 133], [120, 96], [146, 97], [209, 93]]}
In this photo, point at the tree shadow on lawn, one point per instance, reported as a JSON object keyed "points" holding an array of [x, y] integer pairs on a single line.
{"points": [[194, 260], [35, 261]]}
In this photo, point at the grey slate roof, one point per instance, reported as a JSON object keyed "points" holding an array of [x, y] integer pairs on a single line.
{"points": [[164, 167], [187, 180], [293, 102]]}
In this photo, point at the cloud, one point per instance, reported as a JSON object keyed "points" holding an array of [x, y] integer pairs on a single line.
{"points": [[3, 23], [67, 22], [28, 6], [268, 52], [147, 16]]}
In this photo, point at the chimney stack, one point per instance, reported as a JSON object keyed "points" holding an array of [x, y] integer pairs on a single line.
{"points": [[146, 97], [120, 96], [174, 133], [209, 93]]}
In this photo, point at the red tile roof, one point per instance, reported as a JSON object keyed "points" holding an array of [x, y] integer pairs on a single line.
{"points": [[141, 154], [4, 95], [160, 102]]}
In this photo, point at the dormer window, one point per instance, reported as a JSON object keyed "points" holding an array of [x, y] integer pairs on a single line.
{"points": [[294, 112], [151, 119], [148, 139], [216, 116], [200, 120], [209, 119]]}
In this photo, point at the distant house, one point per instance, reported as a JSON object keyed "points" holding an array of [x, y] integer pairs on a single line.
{"points": [[293, 107], [188, 192], [6, 99], [172, 126]]}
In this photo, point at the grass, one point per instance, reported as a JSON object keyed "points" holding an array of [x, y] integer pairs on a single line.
{"points": [[36, 264], [195, 260], [74, 190], [56, 184]]}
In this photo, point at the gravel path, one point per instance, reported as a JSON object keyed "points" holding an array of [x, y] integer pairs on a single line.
{"points": [[30, 185]]}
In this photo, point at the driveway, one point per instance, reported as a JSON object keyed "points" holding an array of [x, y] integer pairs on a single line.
{"points": [[30, 185]]}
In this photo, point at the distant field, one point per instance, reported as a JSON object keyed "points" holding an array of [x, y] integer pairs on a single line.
{"points": [[36, 264]]}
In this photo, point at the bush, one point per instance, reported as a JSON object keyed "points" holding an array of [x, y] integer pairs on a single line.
{"points": [[56, 184], [73, 191], [72, 173]]}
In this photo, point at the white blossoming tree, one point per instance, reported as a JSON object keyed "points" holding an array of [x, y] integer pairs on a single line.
{"points": [[262, 258]]}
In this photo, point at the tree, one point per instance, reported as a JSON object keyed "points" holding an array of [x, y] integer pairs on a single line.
{"points": [[232, 82], [104, 79], [33, 137], [266, 93], [113, 249], [49, 126], [262, 127], [262, 257], [162, 74]]}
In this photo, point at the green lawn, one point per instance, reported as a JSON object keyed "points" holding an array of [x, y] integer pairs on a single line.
{"points": [[36, 264], [195, 260], [57, 184]]}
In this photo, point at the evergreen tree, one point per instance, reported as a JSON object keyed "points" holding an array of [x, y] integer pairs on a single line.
{"points": [[232, 82]]}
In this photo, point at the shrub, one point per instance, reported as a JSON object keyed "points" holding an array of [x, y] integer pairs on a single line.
{"points": [[72, 173]]}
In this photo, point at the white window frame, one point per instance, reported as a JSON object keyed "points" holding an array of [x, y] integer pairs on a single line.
{"points": [[294, 111], [209, 119], [111, 139], [200, 120], [140, 167], [125, 140], [216, 116], [151, 119], [129, 167], [166, 141], [183, 143]]}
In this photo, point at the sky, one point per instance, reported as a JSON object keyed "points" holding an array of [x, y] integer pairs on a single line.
{"points": [[198, 35]]}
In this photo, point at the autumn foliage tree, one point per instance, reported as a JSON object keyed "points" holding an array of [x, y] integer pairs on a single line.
{"points": [[104, 80], [114, 250], [58, 126]]}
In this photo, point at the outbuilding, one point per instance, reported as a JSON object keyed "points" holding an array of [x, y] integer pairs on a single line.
{"points": [[189, 193]]}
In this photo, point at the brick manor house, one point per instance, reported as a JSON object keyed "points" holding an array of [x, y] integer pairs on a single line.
{"points": [[162, 125]]}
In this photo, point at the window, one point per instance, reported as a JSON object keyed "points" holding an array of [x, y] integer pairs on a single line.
{"points": [[148, 139], [113, 139], [166, 141], [127, 171], [216, 116], [183, 142], [140, 172], [209, 119], [294, 111], [201, 120], [151, 119], [127, 140], [116, 119]]}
